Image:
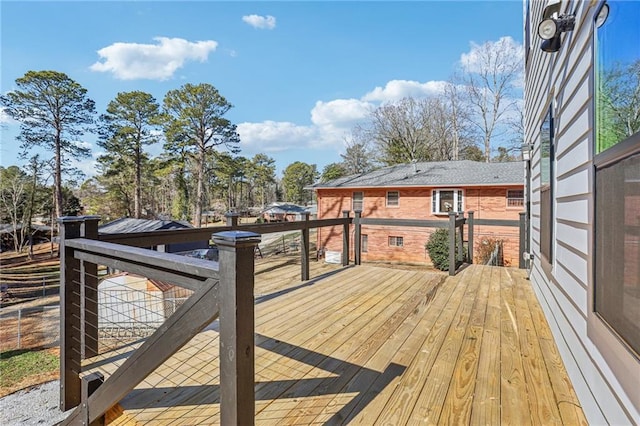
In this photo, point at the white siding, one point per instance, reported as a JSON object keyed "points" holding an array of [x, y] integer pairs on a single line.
{"points": [[564, 80]]}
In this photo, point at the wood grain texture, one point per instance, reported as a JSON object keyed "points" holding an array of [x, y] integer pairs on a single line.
{"points": [[371, 345]]}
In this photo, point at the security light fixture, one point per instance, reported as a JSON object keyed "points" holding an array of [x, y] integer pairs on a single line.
{"points": [[526, 149], [550, 29]]}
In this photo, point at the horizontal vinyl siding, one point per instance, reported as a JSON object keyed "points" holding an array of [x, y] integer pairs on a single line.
{"points": [[564, 295]]}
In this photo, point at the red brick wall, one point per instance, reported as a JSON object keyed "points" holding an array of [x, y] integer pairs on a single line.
{"points": [[415, 203]]}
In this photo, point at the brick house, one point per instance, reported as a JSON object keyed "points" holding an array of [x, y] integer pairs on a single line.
{"points": [[424, 191]]}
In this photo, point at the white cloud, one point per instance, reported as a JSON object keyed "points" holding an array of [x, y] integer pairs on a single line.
{"points": [[6, 118], [395, 90], [340, 112], [505, 52], [274, 136], [260, 22], [130, 61]]}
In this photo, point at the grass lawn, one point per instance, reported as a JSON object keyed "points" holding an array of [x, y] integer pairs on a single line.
{"points": [[23, 368]]}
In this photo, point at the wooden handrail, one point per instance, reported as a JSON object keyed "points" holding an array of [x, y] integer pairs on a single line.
{"points": [[222, 289]]}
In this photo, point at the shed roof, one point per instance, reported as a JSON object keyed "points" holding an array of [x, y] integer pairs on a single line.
{"points": [[437, 173], [126, 225], [284, 208]]}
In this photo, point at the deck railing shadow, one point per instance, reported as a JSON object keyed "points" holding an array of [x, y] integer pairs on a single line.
{"points": [[339, 371]]}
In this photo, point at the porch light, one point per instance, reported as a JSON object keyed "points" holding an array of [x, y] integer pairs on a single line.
{"points": [[550, 30], [526, 151]]}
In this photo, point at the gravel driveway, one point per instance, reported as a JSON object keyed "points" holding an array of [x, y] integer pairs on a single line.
{"points": [[34, 406]]}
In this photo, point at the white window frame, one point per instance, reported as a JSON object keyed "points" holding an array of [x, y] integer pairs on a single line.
{"points": [[364, 245], [397, 204], [396, 241], [361, 201], [458, 200]]}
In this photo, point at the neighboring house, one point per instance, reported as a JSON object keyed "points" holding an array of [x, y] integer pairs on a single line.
{"points": [[424, 191], [127, 225], [581, 119], [41, 233], [283, 212]]}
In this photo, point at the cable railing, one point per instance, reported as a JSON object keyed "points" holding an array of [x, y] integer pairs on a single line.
{"points": [[117, 332]]}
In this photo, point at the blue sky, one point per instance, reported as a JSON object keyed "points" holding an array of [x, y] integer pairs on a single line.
{"points": [[299, 74]]}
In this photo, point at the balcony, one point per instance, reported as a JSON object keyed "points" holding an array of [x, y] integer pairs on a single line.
{"points": [[352, 344]]}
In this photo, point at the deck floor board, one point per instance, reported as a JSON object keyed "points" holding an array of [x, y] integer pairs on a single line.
{"points": [[374, 345]]}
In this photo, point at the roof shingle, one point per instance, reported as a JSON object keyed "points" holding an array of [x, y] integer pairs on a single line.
{"points": [[437, 173]]}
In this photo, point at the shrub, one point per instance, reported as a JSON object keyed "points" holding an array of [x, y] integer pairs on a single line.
{"points": [[438, 248]]}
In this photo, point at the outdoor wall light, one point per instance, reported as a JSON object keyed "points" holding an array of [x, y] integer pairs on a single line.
{"points": [[550, 29], [526, 151]]}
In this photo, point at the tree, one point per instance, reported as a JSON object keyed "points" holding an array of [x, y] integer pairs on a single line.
{"points": [[296, 177], [490, 73], [13, 202], [53, 111], [126, 127], [197, 126], [333, 171], [459, 118], [358, 157], [471, 152], [618, 109], [261, 172], [504, 155], [414, 130]]}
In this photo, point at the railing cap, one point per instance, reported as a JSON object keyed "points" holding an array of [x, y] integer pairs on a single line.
{"points": [[236, 237], [70, 219]]}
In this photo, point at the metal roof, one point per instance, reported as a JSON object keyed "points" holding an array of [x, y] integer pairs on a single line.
{"points": [[437, 173], [283, 208], [126, 225]]}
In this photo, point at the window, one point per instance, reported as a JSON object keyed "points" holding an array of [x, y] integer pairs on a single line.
{"points": [[396, 241], [364, 247], [393, 198], [515, 198], [617, 171], [546, 186], [357, 201], [617, 73], [444, 201]]}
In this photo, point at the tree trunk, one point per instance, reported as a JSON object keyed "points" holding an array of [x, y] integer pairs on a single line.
{"points": [[137, 204], [58, 176], [197, 214]]}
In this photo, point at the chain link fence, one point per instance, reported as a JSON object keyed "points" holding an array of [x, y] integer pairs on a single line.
{"points": [[30, 328]]}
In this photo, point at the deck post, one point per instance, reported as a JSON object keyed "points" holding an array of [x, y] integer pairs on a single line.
{"points": [[345, 240], [452, 243], [70, 316], [470, 236], [357, 243], [89, 292], [523, 240], [304, 253], [90, 383], [237, 352], [232, 219], [460, 256]]}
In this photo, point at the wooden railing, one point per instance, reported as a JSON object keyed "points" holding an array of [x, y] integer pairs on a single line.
{"points": [[221, 289], [455, 225]]}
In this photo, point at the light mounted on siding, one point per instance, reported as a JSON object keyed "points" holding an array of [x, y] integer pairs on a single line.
{"points": [[550, 30], [526, 151]]}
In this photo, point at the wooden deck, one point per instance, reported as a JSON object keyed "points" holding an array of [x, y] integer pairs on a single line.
{"points": [[375, 345]]}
